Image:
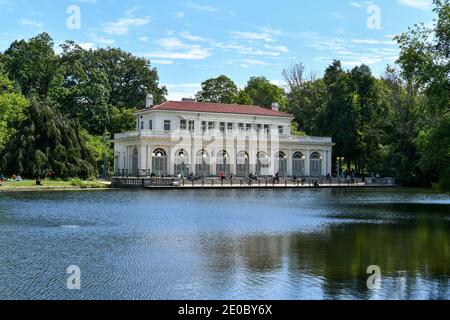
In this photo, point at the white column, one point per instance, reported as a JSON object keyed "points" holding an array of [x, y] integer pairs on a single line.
{"points": [[307, 163], [147, 158], [170, 164], [141, 155], [289, 163]]}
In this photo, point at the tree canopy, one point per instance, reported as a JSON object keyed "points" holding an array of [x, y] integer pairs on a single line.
{"points": [[78, 97], [218, 90]]}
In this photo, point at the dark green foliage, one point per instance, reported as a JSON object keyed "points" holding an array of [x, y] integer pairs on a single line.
{"points": [[81, 97], [263, 93], [218, 90], [48, 141]]}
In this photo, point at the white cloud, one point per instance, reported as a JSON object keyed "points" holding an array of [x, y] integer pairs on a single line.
{"points": [[279, 48], [201, 7], [356, 4], [363, 4], [102, 41], [246, 63], [372, 41], [418, 4], [162, 61], [264, 36], [143, 39], [27, 22], [179, 15], [182, 90], [171, 43], [352, 52], [246, 50], [123, 25], [187, 35], [87, 45], [174, 48], [194, 53]]}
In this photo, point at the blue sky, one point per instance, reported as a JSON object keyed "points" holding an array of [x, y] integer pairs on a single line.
{"points": [[190, 41]]}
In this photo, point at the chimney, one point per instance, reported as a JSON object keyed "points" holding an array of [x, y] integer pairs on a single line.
{"points": [[149, 101], [275, 106]]}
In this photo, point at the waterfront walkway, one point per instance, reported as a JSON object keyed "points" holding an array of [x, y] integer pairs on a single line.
{"points": [[240, 183]]}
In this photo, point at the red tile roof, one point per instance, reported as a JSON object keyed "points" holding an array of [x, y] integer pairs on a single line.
{"points": [[217, 108]]}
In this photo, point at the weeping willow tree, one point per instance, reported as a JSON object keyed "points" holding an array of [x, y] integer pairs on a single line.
{"points": [[48, 141]]}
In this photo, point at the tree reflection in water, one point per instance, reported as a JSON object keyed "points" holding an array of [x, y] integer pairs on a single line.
{"points": [[413, 256]]}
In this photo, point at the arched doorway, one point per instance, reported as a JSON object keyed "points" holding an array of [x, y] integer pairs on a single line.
{"points": [[181, 163], [315, 165], [222, 164], [298, 164], [281, 161], [159, 162], [242, 164], [134, 162], [262, 164], [202, 164]]}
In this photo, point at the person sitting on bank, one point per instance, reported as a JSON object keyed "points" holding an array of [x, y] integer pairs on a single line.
{"points": [[222, 175], [18, 178], [2, 178]]}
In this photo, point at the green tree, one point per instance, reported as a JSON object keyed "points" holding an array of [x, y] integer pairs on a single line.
{"points": [[425, 61], [243, 98], [33, 65], [263, 93], [218, 90], [12, 107], [101, 85], [340, 116], [48, 141]]}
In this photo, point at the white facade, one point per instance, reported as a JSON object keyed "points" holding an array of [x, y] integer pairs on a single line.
{"points": [[168, 142]]}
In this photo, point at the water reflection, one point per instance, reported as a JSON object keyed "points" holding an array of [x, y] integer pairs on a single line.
{"points": [[411, 257], [312, 244]]}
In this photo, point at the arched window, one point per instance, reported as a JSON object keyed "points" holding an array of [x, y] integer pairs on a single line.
{"points": [[298, 164], [159, 162], [202, 164], [222, 163], [134, 162], [315, 166], [262, 164], [242, 164], [281, 164], [181, 163]]}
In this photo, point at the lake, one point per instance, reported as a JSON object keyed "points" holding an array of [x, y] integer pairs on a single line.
{"points": [[225, 244]]}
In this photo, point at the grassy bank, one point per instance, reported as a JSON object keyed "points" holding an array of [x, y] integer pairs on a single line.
{"points": [[70, 184]]}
